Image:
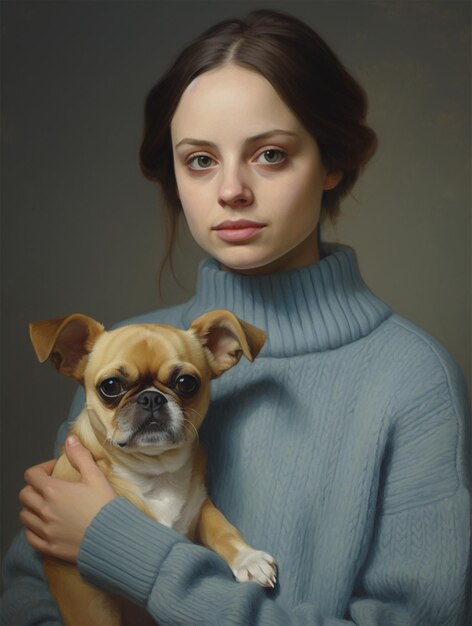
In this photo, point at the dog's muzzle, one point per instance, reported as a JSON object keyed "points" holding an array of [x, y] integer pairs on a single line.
{"points": [[151, 411], [151, 417]]}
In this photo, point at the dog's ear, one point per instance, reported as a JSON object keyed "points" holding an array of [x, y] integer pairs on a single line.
{"points": [[66, 342], [225, 338]]}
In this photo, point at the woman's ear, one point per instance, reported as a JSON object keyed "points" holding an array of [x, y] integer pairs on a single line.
{"points": [[332, 180]]}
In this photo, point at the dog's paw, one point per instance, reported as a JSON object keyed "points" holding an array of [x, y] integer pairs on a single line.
{"points": [[255, 565]]}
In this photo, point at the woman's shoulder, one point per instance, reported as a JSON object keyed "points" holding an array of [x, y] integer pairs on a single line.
{"points": [[416, 344], [418, 363]]}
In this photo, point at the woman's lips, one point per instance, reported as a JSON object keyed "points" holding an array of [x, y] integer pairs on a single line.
{"points": [[238, 230]]}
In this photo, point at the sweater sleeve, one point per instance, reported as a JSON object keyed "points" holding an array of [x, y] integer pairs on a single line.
{"points": [[26, 599], [184, 584], [417, 569], [414, 574]]}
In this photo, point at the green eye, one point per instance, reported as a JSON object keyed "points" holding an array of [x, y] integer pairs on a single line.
{"points": [[200, 162], [272, 156], [187, 385], [111, 388]]}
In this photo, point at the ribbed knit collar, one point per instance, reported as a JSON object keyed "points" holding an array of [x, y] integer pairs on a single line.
{"points": [[315, 308]]}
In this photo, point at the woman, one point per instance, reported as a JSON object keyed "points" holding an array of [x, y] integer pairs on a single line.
{"points": [[340, 450]]}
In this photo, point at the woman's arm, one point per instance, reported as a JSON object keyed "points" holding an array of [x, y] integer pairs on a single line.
{"points": [[26, 600], [181, 583]]}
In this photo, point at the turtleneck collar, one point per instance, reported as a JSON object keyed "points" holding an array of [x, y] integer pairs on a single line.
{"points": [[311, 309]]}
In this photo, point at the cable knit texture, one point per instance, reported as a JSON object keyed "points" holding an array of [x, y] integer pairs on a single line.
{"points": [[340, 451]]}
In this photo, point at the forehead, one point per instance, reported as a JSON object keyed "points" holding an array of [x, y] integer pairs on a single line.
{"points": [[146, 347], [230, 98]]}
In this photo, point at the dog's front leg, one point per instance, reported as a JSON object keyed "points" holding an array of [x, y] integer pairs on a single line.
{"points": [[246, 563]]}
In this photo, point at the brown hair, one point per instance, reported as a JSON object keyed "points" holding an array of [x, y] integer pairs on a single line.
{"points": [[302, 69]]}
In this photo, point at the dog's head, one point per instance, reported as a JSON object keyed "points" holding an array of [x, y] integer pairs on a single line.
{"points": [[147, 385]]}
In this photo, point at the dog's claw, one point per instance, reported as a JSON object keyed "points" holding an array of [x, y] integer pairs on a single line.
{"points": [[255, 565]]}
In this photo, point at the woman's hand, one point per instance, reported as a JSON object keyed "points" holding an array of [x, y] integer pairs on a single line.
{"points": [[56, 512]]}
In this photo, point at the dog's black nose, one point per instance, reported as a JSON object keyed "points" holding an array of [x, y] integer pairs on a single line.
{"points": [[151, 400]]}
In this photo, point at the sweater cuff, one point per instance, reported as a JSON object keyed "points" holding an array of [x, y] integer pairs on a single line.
{"points": [[123, 550]]}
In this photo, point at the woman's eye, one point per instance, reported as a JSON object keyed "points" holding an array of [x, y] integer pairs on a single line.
{"points": [[200, 162], [272, 156], [111, 388], [187, 385]]}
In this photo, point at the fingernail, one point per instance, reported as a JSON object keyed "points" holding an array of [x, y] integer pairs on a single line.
{"points": [[72, 441]]}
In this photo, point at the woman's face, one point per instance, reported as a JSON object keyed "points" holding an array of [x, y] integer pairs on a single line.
{"points": [[249, 176]]}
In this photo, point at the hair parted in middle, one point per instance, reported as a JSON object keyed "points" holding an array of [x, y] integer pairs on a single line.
{"points": [[303, 70]]}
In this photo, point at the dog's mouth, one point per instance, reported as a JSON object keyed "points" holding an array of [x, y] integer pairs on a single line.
{"points": [[151, 430], [163, 428]]}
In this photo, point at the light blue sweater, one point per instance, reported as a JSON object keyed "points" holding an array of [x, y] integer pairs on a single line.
{"points": [[340, 451]]}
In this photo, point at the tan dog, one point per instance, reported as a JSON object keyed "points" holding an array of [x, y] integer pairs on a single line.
{"points": [[147, 391]]}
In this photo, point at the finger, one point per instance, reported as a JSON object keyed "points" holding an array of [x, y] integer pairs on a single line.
{"points": [[37, 542], [31, 498], [32, 523], [80, 457], [39, 476]]}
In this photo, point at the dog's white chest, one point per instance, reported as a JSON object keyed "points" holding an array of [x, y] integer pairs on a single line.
{"points": [[173, 499], [166, 501]]}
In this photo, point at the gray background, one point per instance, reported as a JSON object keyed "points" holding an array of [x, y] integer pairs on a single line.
{"points": [[82, 229]]}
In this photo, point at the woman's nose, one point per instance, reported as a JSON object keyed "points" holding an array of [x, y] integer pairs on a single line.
{"points": [[234, 191]]}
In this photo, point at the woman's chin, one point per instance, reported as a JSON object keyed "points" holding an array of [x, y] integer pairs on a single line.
{"points": [[267, 264], [247, 265]]}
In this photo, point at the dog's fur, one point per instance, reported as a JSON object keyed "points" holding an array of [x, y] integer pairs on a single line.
{"points": [[147, 391]]}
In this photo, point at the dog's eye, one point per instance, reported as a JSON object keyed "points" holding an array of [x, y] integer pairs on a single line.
{"points": [[187, 385], [111, 388]]}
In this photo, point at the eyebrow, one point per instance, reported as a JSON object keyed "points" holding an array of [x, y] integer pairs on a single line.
{"points": [[202, 142]]}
